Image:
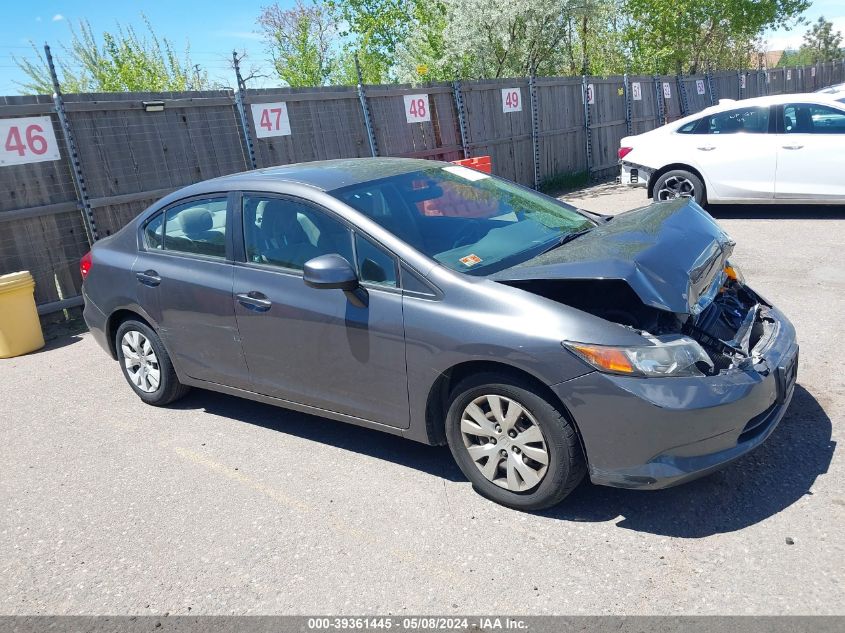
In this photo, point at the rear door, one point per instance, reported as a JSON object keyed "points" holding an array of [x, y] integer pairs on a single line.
{"points": [[184, 272], [811, 153], [313, 346], [735, 152]]}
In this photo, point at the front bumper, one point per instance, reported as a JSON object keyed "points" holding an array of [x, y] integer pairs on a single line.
{"points": [[658, 432], [634, 175]]}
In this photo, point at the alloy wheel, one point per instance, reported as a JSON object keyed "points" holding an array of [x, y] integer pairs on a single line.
{"points": [[140, 361], [676, 187], [505, 442]]}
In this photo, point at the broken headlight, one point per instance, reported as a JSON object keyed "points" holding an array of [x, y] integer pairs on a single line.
{"points": [[672, 355]]}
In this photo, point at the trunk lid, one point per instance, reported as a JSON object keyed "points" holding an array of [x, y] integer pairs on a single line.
{"points": [[671, 254]]}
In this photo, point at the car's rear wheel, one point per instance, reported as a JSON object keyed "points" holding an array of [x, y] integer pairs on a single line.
{"points": [[516, 447], [679, 183], [146, 365]]}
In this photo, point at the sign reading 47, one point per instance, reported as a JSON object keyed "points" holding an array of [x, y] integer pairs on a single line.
{"points": [[270, 119]]}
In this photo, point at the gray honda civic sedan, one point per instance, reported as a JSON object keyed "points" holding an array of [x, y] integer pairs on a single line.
{"points": [[429, 300]]}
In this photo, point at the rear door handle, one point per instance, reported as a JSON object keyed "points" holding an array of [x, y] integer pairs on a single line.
{"points": [[149, 278], [707, 148], [792, 146], [255, 301]]}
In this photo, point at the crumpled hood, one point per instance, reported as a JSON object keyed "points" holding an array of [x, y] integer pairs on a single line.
{"points": [[672, 254]]}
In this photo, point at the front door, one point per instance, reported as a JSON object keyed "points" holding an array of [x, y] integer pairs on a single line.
{"points": [[811, 153], [185, 282], [313, 346]]}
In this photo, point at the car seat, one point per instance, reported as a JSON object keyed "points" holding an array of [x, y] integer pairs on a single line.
{"points": [[197, 225], [282, 240]]}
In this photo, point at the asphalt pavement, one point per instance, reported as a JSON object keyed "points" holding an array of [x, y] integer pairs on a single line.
{"points": [[218, 505]]}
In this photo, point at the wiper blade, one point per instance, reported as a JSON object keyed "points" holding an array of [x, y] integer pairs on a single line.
{"points": [[566, 239]]}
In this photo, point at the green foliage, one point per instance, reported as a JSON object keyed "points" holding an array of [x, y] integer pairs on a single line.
{"points": [[299, 42], [822, 43], [117, 62], [671, 36]]}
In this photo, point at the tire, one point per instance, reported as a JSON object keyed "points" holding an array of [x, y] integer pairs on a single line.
{"points": [[676, 182], [509, 487], [153, 363]]}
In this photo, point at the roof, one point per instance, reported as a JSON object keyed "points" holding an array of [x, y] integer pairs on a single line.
{"points": [[328, 175]]}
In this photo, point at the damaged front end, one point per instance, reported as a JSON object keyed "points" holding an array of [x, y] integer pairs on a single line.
{"points": [[663, 271]]}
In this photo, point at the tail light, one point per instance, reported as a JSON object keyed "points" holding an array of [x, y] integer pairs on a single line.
{"points": [[623, 152], [85, 265]]}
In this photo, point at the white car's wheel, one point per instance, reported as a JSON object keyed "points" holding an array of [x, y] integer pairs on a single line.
{"points": [[679, 183]]}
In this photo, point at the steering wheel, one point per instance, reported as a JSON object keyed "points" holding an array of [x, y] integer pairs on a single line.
{"points": [[468, 234]]}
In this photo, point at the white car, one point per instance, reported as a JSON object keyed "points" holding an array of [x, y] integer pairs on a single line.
{"points": [[778, 149], [836, 89]]}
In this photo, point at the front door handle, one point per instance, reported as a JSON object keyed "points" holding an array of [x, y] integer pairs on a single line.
{"points": [[792, 146], [707, 148], [149, 278], [255, 301]]}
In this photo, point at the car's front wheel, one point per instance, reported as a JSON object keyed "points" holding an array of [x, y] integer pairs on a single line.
{"points": [[516, 447], [146, 364], [679, 183]]}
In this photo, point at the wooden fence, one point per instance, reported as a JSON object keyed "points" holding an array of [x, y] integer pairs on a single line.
{"points": [[132, 148]]}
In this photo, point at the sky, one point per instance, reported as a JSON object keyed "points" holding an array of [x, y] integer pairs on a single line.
{"points": [[213, 27]]}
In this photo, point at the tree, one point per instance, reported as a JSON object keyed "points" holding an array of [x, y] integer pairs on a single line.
{"points": [[124, 61], [300, 42], [821, 43], [673, 36], [508, 39]]}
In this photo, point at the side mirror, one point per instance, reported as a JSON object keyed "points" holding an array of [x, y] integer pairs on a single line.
{"points": [[328, 272]]}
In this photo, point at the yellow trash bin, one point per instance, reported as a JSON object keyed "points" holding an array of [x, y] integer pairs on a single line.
{"points": [[20, 329]]}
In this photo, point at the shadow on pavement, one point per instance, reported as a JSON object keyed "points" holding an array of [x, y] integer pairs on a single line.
{"points": [[434, 460], [776, 212], [757, 486]]}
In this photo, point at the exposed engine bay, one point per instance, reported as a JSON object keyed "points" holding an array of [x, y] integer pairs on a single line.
{"points": [[728, 328]]}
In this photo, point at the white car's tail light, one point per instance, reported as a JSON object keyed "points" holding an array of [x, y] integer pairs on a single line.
{"points": [[623, 152]]}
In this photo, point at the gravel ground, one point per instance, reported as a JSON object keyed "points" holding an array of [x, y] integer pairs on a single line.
{"points": [[224, 506]]}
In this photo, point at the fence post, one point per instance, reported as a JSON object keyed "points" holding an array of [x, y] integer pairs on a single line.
{"points": [[462, 123], [658, 96], [710, 85], [739, 83], [629, 114], [73, 154], [362, 96], [239, 101], [535, 126], [588, 143], [682, 95]]}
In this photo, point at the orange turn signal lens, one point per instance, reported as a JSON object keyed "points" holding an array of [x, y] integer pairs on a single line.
{"points": [[608, 358], [730, 271]]}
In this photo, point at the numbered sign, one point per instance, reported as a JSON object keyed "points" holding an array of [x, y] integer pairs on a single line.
{"points": [[28, 140], [511, 100], [637, 91], [270, 119], [742, 82], [699, 86], [591, 94], [667, 90], [813, 71], [788, 75], [416, 108]]}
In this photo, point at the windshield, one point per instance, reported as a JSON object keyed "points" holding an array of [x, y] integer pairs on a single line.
{"points": [[465, 219]]}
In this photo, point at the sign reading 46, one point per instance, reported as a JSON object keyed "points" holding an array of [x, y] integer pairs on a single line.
{"points": [[29, 140]]}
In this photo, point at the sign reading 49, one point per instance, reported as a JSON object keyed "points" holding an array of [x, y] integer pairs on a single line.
{"points": [[29, 140]]}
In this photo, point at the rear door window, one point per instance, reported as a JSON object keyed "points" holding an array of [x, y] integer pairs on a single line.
{"points": [[739, 121], [809, 118], [197, 227]]}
